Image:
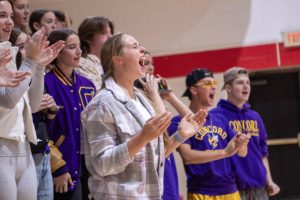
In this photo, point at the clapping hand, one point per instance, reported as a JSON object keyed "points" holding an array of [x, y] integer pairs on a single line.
{"points": [[51, 52], [242, 139], [9, 78], [35, 46], [155, 126], [5, 56], [236, 143], [192, 123]]}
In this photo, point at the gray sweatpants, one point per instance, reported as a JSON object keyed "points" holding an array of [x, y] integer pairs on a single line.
{"points": [[254, 194], [17, 171]]}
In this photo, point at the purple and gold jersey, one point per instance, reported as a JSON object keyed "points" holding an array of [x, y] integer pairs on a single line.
{"points": [[216, 177], [64, 130], [250, 171]]}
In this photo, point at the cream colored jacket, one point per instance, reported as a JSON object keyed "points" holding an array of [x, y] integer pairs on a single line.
{"points": [[10, 129], [10, 113]]}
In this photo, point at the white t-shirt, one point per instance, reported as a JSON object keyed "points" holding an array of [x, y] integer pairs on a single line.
{"points": [[146, 116]]}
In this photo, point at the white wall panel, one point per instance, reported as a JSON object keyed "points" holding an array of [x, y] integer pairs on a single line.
{"points": [[176, 26]]}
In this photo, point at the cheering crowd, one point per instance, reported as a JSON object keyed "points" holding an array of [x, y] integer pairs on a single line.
{"points": [[83, 117]]}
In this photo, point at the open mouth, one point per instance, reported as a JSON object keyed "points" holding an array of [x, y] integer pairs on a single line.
{"points": [[211, 96], [7, 30], [142, 61]]}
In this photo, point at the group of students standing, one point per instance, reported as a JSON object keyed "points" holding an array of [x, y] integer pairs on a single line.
{"points": [[214, 170], [106, 138]]}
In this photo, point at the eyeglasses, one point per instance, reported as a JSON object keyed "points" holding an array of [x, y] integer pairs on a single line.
{"points": [[207, 84]]}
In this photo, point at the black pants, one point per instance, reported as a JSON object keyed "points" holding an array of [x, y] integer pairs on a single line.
{"points": [[84, 179]]}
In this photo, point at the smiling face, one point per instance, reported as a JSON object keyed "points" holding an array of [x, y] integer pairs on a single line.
{"points": [[21, 13], [203, 92], [239, 89], [6, 22], [71, 53]]}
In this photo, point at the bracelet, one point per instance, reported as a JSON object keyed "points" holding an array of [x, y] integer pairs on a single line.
{"points": [[178, 137]]}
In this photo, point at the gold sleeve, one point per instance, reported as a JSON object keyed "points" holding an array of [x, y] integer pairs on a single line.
{"points": [[56, 157]]}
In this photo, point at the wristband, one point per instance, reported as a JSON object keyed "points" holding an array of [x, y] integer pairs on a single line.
{"points": [[178, 137]]}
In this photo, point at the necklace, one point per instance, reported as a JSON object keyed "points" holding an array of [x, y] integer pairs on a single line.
{"points": [[213, 138]]}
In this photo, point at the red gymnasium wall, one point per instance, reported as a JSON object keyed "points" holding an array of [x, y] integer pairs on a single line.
{"points": [[250, 57]]}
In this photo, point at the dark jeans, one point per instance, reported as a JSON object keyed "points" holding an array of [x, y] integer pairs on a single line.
{"points": [[84, 180]]}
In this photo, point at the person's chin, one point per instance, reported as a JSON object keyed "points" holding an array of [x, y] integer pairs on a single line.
{"points": [[141, 75], [4, 37], [76, 60], [142, 72], [244, 99], [210, 103]]}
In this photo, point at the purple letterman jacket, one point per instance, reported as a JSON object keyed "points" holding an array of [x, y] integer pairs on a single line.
{"points": [[64, 130]]}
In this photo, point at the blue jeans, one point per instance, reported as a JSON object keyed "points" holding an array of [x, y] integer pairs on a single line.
{"points": [[44, 176]]}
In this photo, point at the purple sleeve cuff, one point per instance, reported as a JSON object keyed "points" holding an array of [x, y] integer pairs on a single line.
{"points": [[174, 125], [60, 171]]}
